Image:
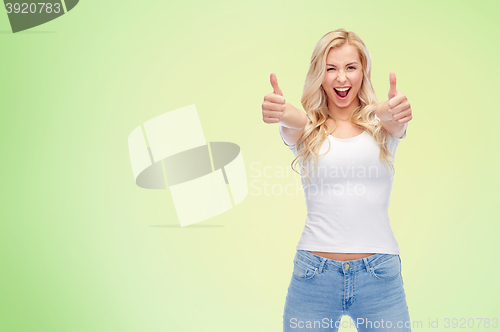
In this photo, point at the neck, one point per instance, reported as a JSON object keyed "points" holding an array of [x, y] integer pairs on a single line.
{"points": [[340, 118]]}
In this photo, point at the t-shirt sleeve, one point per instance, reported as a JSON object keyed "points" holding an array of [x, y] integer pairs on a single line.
{"points": [[394, 143], [291, 147]]}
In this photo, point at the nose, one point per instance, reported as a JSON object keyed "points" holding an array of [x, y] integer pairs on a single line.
{"points": [[341, 77]]}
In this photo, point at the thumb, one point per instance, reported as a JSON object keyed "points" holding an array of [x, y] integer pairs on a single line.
{"points": [[392, 81], [274, 83]]}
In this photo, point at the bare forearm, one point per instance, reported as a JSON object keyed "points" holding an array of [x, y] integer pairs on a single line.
{"points": [[393, 127], [293, 117], [292, 124]]}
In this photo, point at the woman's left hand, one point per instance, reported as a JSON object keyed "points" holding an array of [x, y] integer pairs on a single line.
{"points": [[398, 104]]}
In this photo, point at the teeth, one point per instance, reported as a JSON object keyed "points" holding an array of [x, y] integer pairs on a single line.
{"points": [[344, 89]]}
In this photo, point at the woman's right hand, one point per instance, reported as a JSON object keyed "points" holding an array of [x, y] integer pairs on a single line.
{"points": [[274, 104]]}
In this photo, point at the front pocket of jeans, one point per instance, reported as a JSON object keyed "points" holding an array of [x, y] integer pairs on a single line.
{"points": [[387, 270], [303, 271]]}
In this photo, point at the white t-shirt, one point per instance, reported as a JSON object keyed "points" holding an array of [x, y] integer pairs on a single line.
{"points": [[348, 197]]}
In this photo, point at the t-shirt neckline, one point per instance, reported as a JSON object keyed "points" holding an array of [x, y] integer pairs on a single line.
{"points": [[347, 139]]}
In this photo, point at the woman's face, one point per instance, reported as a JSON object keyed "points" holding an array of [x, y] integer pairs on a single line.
{"points": [[343, 70]]}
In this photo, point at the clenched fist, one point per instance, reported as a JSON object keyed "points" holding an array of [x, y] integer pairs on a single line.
{"points": [[273, 106]]}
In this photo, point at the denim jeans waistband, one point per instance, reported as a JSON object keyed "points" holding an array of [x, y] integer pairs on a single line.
{"points": [[322, 263]]}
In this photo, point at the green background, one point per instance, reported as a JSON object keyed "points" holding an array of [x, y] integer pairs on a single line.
{"points": [[82, 248]]}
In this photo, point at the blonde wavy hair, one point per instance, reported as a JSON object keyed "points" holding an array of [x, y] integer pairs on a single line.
{"points": [[314, 100]]}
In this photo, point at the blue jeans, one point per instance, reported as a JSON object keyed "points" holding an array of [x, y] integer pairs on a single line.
{"points": [[369, 290]]}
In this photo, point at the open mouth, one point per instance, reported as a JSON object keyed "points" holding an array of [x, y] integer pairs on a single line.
{"points": [[342, 93]]}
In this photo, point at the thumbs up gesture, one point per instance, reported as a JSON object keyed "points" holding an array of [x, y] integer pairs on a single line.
{"points": [[398, 104], [273, 106]]}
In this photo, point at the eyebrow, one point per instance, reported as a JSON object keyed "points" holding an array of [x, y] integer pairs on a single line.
{"points": [[350, 63]]}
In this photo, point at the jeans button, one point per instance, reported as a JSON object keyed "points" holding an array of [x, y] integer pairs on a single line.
{"points": [[346, 266]]}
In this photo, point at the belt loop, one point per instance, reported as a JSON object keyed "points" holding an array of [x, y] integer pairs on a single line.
{"points": [[322, 264], [367, 265]]}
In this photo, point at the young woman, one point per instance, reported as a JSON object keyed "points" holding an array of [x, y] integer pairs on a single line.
{"points": [[347, 260]]}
